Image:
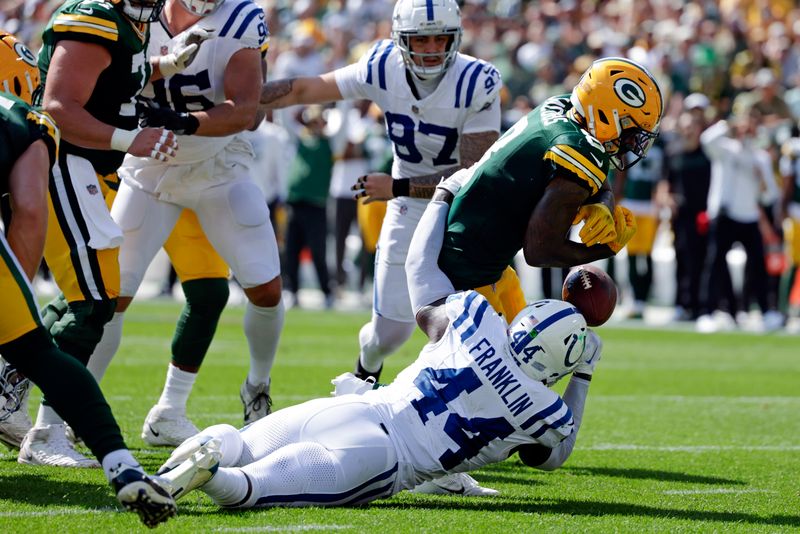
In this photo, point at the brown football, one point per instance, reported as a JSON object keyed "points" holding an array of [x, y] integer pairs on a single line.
{"points": [[592, 291]]}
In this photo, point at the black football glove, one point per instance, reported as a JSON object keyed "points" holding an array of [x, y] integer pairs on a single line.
{"points": [[151, 115]]}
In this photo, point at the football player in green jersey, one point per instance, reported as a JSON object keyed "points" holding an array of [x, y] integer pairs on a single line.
{"points": [[29, 142], [93, 64], [545, 174]]}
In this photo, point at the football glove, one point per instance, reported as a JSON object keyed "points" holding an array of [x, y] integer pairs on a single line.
{"points": [[350, 384], [154, 116], [625, 223], [592, 350], [183, 52], [598, 224]]}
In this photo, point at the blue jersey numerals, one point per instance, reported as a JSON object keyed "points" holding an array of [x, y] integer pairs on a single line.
{"points": [[172, 94], [402, 129], [440, 387]]}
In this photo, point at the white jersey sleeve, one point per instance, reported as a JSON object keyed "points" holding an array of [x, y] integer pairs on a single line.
{"points": [[367, 76], [478, 90]]}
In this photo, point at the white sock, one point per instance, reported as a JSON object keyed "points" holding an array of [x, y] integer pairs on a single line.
{"points": [[107, 347], [227, 487], [112, 461], [47, 416], [177, 388], [262, 326]]}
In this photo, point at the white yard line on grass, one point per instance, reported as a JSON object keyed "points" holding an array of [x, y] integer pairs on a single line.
{"points": [[697, 398], [716, 490], [284, 528], [689, 448], [57, 512]]}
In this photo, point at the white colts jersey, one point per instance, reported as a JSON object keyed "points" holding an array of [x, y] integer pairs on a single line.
{"points": [[236, 25], [465, 403], [425, 133]]}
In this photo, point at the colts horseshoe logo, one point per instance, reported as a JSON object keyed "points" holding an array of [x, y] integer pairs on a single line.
{"points": [[629, 92]]}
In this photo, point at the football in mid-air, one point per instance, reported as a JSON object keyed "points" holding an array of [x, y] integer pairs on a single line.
{"points": [[592, 291]]}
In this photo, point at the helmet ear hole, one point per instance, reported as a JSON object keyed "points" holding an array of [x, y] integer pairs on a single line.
{"points": [[602, 116], [17, 87]]}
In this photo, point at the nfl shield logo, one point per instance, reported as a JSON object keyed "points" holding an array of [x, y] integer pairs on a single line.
{"points": [[164, 50], [92, 189]]}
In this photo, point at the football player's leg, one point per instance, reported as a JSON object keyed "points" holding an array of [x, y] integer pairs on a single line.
{"points": [[204, 279], [342, 456], [236, 221], [145, 223]]}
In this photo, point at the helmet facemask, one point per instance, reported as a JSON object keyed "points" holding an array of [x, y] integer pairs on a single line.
{"points": [[13, 387], [143, 10], [634, 140]]}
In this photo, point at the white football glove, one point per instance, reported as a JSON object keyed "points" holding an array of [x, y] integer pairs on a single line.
{"points": [[591, 354], [454, 182], [349, 384], [183, 51]]}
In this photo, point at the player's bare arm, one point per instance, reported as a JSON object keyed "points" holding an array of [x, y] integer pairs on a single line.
{"points": [[306, 90], [28, 182], [74, 70], [242, 84], [381, 186], [261, 113], [546, 239]]}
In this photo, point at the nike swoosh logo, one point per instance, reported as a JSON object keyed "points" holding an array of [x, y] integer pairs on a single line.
{"points": [[150, 428], [596, 160], [86, 10]]}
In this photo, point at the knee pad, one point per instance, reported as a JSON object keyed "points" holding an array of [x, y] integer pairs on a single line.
{"points": [[80, 328], [206, 295], [247, 204]]}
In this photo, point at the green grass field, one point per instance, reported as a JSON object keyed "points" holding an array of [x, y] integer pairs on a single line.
{"points": [[682, 433]]}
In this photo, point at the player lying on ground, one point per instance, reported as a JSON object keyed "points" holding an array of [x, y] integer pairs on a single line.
{"points": [[476, 394]]}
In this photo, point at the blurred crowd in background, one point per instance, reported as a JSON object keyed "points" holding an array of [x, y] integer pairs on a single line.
{"points": [[730, 68]]}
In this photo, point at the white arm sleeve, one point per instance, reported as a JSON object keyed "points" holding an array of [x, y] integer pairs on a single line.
{"points": [[575, 398], [426, 281]]}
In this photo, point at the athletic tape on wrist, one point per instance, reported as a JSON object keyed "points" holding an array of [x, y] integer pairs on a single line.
{"points": [[123, 139]]}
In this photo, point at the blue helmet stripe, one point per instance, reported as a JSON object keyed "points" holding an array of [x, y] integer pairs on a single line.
{"points": [[429, 8], [555, 317]]}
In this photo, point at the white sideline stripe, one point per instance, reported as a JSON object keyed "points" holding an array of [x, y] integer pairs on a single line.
{"points": [[716, 490], [285, 528], [694, 398], [58, 511], [690, 448]]}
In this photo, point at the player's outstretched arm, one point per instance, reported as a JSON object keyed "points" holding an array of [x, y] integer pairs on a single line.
{"points": [[306, 90]]}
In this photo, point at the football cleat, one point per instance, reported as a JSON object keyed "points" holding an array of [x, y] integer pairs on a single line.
{"points": [[455, 484], [16, 424], [142, 494], [194, 471], [48, 445], [256, 401], [184, 451], [165, 426]]}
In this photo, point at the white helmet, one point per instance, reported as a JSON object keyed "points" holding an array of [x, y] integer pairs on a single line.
{"points": [[201, 7], [426, 17], [547, 339], [141, 10]]}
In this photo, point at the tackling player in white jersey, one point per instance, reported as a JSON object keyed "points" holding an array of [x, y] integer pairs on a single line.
{"points": [[207, 105], [476, 395], [442, 112]]}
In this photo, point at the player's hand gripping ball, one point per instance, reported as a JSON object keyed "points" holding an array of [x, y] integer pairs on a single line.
{"points": [[592, 291]]}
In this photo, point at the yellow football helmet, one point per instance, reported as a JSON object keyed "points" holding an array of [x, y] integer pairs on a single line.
{"points": [[19, 74], [620, 103]]}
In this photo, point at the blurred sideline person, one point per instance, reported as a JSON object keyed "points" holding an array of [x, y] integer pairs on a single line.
{"points": [[740, 171], [442, 111], [477, 394], [29, 144], [93, 64], [207, 105], [547, 173]]}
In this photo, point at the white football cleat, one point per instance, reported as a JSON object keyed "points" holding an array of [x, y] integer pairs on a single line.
{"points": [[48, 445], [256, 401], [167, 426], [455, 484], [194, 471]]}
